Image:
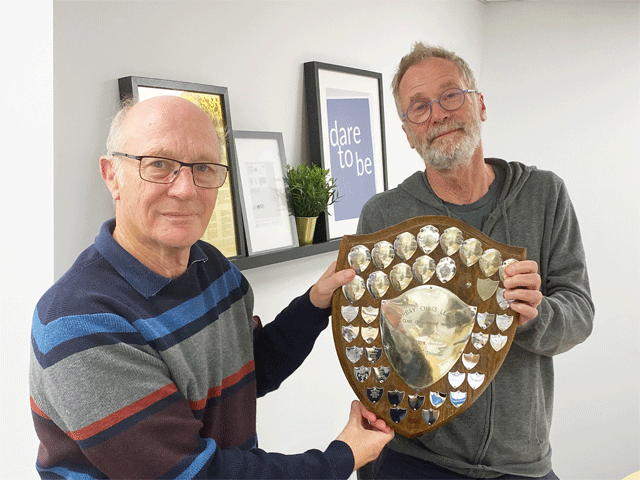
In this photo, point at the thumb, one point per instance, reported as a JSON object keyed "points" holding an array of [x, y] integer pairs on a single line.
{"points": [[322, 291], [355, 413], [338, 279]]}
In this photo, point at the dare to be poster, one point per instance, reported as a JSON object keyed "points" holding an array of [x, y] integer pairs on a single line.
{"points": [[350, 151]]}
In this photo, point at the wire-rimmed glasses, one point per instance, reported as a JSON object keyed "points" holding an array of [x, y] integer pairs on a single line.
{"points": [[450, 100], [165, 170]]}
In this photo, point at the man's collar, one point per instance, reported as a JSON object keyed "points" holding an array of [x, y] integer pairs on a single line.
{"points": [[144, 280]]}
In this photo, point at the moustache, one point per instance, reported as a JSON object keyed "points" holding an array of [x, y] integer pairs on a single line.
{"points": [[447, 127]]}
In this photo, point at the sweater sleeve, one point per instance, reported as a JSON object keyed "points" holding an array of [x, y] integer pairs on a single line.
{"points": [[335, 462], [565, 316], [282, 345]]}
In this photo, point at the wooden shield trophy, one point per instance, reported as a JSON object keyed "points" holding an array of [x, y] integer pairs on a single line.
{"points": [[423, 328]]}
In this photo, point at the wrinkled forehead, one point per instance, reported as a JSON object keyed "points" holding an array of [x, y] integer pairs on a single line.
{"points": [[171, 126], [430, 77]]}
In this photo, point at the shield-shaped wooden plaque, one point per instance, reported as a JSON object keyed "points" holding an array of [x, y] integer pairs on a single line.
{"points": [[423, 328]]}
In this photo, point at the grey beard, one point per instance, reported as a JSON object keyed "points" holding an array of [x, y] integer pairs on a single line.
{"points": [[452, 156]]}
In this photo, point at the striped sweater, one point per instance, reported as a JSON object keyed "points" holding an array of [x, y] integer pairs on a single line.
{"points": [[135, 375]]}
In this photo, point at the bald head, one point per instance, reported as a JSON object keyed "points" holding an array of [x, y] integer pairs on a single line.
{"points": [[168, 112], [165, 108]]}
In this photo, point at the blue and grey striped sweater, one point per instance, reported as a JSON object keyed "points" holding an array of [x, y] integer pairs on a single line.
{"points": [[134, 375]]}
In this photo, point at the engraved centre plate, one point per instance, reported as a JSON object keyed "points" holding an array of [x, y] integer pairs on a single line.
{"points": [[424, 332]]}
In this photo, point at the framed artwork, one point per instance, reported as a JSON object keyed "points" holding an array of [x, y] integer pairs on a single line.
{"points": [[225, 229], [346, 136], [268, 222]]}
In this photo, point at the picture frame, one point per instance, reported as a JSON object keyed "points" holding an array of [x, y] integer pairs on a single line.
{"points": [[345, 116], [225, 230], [268, 223]]}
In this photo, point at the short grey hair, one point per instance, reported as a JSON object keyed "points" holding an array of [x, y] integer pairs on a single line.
{"points": [[421, 52], [115, 138]]}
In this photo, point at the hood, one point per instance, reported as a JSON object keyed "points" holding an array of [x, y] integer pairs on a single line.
{"points": [[516, 175]]}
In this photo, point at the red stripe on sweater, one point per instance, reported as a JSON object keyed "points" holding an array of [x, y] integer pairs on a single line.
{"points": [[35, 409], [226, 383], [110, 420]]}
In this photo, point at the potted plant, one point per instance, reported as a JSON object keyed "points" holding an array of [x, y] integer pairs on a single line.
{"points": [[311, 190]]}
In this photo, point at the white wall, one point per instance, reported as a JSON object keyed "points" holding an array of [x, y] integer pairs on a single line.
{"points": [[561, 84], [257, 49], [26, 234]]}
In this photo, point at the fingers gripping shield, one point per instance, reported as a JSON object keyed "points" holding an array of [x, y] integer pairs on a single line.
{"points": [[423, 328]]}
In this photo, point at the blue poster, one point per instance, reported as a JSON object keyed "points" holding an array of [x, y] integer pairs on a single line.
{"points": [[351, 154]]}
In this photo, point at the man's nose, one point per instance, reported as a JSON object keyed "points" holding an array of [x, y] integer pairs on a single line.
{"points": [[438, 113], [183, 184]]}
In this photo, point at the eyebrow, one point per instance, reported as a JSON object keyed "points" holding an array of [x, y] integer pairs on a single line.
{"points": [[159, 152], [443, 86], [164, 153]]}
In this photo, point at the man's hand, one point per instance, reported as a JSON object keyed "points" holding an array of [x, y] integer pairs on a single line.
{"points": [[365, 433], [523, 288], [329, 282]]}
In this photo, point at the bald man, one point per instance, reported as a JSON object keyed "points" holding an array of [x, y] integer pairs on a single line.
{"points": [[146, 357]]}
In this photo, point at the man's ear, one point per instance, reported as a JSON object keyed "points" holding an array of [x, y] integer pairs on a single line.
{"points": [[110, 177], [408, 137], [483, 108]]}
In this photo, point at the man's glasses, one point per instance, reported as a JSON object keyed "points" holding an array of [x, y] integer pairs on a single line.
{"points": [[165, 170], [420, 112]]}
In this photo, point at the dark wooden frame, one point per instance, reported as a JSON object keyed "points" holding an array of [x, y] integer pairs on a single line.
{"points": [[315, 122]]}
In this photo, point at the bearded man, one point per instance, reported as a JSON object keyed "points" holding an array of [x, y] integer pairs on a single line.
{"points": [[505, 433]]}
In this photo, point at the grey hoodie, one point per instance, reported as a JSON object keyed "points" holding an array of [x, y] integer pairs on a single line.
{"points": [[506, 430]]}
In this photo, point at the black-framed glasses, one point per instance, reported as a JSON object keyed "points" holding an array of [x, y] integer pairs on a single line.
{"points": [[165, 170], [450, 100]]}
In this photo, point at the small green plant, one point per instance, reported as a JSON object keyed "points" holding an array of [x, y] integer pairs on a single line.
{"points": [[311, 190]]}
